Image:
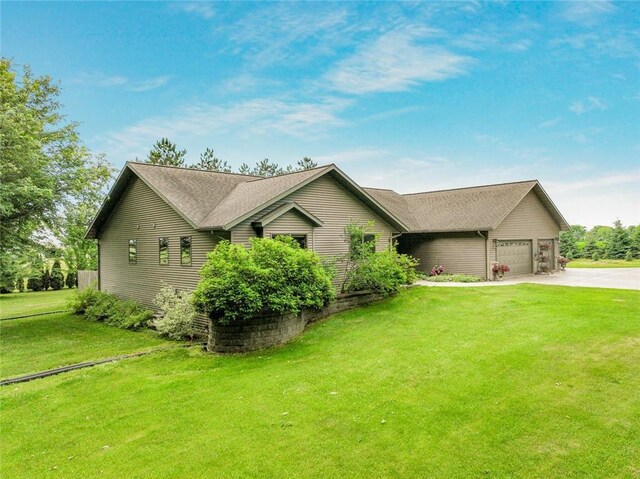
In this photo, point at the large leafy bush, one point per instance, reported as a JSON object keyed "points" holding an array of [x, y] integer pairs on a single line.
{"points": [[177, 313], [273, 276], [105, 307], [383, 272]]}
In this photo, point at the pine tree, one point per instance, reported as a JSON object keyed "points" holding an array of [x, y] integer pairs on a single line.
{"points": [[306, 163], [56, 278], [209, 161], [619, 243], [166, 153]]}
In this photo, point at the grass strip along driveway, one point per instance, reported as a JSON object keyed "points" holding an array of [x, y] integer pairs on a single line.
{"points": [[604, 263], [519, 381]]}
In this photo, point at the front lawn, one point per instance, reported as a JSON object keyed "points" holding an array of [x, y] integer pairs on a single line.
{"points": [[33, 302], [604, 263], [504, 382], [35, 344]]}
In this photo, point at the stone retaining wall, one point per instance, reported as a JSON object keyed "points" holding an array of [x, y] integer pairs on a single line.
{"points": [[272, 330]]}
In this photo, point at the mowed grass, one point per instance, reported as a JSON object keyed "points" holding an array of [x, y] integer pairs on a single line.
{"points": [[503, 382], [39, 343], [33, 302], [604, 263]]}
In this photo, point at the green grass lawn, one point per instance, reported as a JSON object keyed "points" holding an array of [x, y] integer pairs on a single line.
{"points": [[32, 302], [604, 263], [502, 382], [44, 342]]}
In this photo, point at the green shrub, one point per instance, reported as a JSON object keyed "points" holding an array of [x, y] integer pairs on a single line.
{"points": [[384, 272], [101, 308], [274, 275], [104, 307], [595, 256], [46, 279], [71, 280], [35, 281], [177, 313], [128, 315], [454, 278], [81, 300], [628, 256], [56, 278], [20, 284]]}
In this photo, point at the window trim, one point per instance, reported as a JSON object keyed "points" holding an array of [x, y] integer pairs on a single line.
{"points": [[294, 236], [182, 262], [134, 243], [372, 240], [160, 238]]}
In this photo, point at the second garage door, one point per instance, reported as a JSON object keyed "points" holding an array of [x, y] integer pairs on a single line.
{"points": [[516, 254]]}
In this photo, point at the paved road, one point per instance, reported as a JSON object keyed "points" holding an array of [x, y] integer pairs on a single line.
{"points": [[620, 278]]}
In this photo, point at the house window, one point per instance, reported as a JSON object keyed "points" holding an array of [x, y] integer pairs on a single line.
{"points": [[300, 239], [369, 241], [185, 250], [163, 250], [133, 251]]}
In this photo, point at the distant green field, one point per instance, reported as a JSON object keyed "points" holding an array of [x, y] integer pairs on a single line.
{"points": [[524, 381], [32, 302], [604, 263]]}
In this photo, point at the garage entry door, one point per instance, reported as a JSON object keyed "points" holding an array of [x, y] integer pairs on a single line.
{"points": [[516, 254]]}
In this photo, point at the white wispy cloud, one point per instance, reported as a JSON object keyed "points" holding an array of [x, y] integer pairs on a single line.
{"points": [[150, 84], [201, 9], [550, 123], [587, 12], [101, 80], [395, 62], [590, 104], [98, 79], [265, 117]]}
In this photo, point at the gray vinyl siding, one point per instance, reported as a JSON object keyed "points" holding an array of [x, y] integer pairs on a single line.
{"points": [[291, 223], [530, 220], [142, 215], [335, 206], [457, 252]]}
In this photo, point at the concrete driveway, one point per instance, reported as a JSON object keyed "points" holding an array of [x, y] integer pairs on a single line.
{"points": [[619, 278]]}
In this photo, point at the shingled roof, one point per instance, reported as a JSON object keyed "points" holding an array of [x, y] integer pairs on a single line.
{"points": [[479, 208], [210, 200]]}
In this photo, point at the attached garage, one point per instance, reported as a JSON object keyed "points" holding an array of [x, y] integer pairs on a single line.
{"points": [[468, 230], [458, 252], [517, 254]]}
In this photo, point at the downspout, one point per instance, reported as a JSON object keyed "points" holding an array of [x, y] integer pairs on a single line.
{"points": [[98, 241], [486, 254]]}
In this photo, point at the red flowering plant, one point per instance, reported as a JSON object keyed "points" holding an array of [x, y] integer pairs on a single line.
{"points": [[437, 270], [562, 261], [500, 269]]}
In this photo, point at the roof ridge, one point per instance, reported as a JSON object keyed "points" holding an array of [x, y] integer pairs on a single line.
{"points": [[471, 187], [382, 189], [258, 178], [143, 163]]}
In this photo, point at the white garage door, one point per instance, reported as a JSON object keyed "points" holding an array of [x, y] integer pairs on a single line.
{"points": [[516, 254]]}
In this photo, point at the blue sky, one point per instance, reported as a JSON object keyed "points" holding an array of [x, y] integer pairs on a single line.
{"points": [[410, 96]]}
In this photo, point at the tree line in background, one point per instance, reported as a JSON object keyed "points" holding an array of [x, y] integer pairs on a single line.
{"points": [[51, 185], [601, 242], [166, 153]]}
